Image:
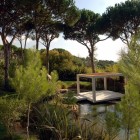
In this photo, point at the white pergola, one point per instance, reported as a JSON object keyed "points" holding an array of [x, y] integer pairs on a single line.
{"points": [[97, 96]]}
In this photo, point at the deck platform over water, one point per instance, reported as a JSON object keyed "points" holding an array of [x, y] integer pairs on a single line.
{"points": [[97, 96], [101, 96]]}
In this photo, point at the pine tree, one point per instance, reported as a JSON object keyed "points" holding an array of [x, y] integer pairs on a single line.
{"points": [[31, 82], [129, 106]]}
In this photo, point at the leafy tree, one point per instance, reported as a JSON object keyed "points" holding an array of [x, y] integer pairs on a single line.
{"points": [[112, 68], [47, 36], [30, 82], [79, 61], [64, 11], [18, 18], [64, 63], [121, 21], [45, 15], [40, 17], [84, 32], [104, 63], [10, 22], [23, 35], [59, 59]]}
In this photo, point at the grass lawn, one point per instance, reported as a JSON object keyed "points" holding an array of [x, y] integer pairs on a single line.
{"points": [[73, 84]]}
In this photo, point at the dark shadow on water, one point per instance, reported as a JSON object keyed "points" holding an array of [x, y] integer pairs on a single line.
{"points": [[111, 102]]}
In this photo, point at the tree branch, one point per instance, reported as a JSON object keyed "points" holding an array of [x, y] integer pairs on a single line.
{"points": [[102, 39], [84, 45], [123, 40]]}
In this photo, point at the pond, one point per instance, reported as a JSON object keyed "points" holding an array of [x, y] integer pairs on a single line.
{"points": [[97, 114]]}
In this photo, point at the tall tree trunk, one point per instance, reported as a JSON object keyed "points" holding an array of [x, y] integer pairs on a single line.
{"points": [[7, 48], [20, 41], [26, 37], [28, 120], [25, 43], [91, 55], [47, 58], [37, 41], [37, 44], [92, 61]]}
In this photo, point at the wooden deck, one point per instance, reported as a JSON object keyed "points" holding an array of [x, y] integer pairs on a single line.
{"points": [[101, 96]]}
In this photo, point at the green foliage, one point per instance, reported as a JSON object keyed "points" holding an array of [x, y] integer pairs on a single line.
{"points": [[12, 68], [55, 120], [116, 20], [31, 81], [104, 63], [129, 112], [107, 66], [69, 98], [1, 47], [83, 85], [84, 32], [129, 63], [1, 73], [53, 84], [112, 68], [112, 125], [10, 111], [62, 85], [129, 106], [65, 64], [64, 10]]}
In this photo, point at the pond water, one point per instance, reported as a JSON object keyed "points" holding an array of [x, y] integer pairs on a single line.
{"points": [[98, 112]]}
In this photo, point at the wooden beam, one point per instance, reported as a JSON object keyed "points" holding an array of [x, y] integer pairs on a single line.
{"points": [[105, 83], [94, 89], [78, 84]]}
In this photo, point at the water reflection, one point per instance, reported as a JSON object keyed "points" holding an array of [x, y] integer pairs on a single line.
{"points": [[98, 114], [87, 108]]}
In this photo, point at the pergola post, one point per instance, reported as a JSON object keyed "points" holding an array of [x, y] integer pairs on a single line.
{"points": [[78, 84], [105, 83], [93, 89]]}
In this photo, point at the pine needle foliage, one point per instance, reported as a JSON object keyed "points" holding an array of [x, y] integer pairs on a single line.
{"points": [[30, 80], [129, 106], [129, 63]]}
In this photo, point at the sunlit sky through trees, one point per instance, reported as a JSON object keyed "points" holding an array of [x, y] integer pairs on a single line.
{"points": [[106, 50]]}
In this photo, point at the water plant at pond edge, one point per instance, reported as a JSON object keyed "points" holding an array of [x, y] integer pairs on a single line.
{"points": [[129, 113], [112, 125], [56, 120]]}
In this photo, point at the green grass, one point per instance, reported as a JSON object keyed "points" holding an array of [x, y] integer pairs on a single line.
{"points": [[73, 84]]}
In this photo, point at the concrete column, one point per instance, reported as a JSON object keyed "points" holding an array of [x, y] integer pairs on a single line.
{"points": [[94, 89], [78, 84], [105, 83]]}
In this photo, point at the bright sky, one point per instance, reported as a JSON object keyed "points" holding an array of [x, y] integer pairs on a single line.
{"points": [[106, 50]]}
